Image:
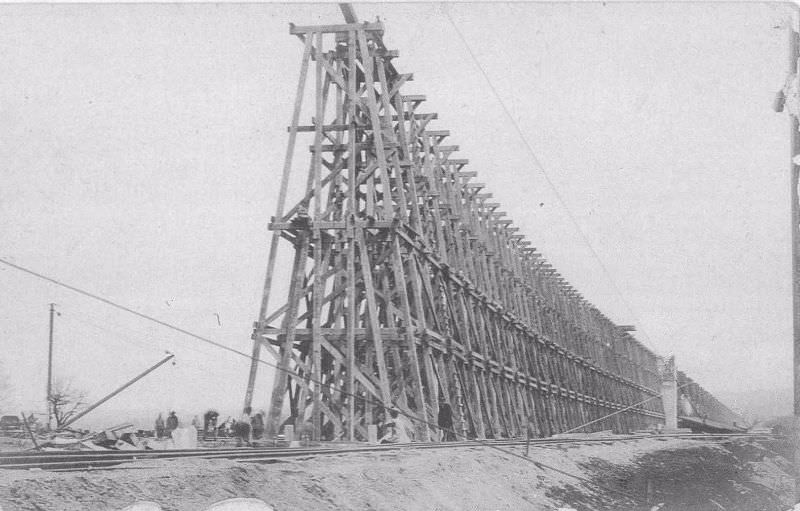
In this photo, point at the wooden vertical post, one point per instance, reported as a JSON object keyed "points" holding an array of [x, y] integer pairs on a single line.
{"points": [[50, 368], [352, 207], [794, 151], [316, 235], [281, 375]]}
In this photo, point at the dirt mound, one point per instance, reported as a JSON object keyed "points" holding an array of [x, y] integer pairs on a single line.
{"points": [[593, 477], [741, 475]]}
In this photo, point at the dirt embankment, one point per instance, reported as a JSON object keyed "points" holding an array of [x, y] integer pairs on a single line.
{"points": [[732, 476], [682, 474]]}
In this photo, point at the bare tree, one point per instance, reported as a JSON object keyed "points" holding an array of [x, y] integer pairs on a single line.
{"points": [[5, 388], [66, 401]]}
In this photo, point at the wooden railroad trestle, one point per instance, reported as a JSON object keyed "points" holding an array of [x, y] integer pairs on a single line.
{"points": [[409, 288]]}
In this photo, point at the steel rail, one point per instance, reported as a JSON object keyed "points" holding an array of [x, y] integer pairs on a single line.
{"points": [[7, 458], [97, 460]]}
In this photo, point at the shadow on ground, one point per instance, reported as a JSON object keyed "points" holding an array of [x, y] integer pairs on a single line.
{"points": [[740, 475]]}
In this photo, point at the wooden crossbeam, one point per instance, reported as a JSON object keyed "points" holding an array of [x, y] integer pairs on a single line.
{"points": [[327, 127], [447, 149], [438, 133], [325, 29]]}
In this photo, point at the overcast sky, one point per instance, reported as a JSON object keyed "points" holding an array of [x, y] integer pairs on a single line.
{"points": [[141, 147]]}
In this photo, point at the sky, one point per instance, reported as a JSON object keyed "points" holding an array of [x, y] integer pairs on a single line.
{"points": [[141, 147]]}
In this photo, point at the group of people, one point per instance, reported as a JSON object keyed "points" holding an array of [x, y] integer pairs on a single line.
{"points": [[397, 428], [392, 428], [164, 429], [247, 428]]}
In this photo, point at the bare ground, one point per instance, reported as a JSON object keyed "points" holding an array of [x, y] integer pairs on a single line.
{"points": [[680, 474]]}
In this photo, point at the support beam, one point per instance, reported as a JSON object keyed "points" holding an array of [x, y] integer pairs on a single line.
{"points": [[409, 287]]}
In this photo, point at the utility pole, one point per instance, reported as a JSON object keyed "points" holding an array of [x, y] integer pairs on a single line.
{"points": [[50, 367], [795, 212], [788, 101]]}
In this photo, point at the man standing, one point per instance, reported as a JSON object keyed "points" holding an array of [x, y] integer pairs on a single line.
{"points": [[530, 432], [210, 423], [445, 422], [159, 426], [242, 428], [172, 423], [401, 431], [258, 425]]}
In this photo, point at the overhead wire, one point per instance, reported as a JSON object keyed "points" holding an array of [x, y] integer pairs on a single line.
{"points": [[122, 307], [116, 336], [634, 405], [143, 341], [373, 400], [548, 179]]}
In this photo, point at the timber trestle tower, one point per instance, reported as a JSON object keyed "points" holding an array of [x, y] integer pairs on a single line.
{"points": [[409, 288]]}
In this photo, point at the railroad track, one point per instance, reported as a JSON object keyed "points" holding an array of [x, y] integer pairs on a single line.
{"points": [[103, 460]]}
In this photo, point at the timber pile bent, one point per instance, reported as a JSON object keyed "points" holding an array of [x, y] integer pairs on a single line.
{"points": [[408, 285]]}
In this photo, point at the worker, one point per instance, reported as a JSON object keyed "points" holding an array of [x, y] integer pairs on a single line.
{"points": [[242, 428], [530, 431], [159, 426], [531, 428], [381, 421], [409, 431], [172, 423], [210, 423], [226, 428], [257, 424], [445, 422], [398, 428], [389, 434]]}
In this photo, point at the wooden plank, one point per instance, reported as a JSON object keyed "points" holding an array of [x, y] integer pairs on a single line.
{"points": [[447, 149], [327, 29], [317, 239], [281, 374], [401, 79], [372, 312], [327, 127], [375, 119], [411, 347], [417, 117], [352, 207]]}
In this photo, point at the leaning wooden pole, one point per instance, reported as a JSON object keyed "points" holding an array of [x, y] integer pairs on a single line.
{"points": [[127, 384]]}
